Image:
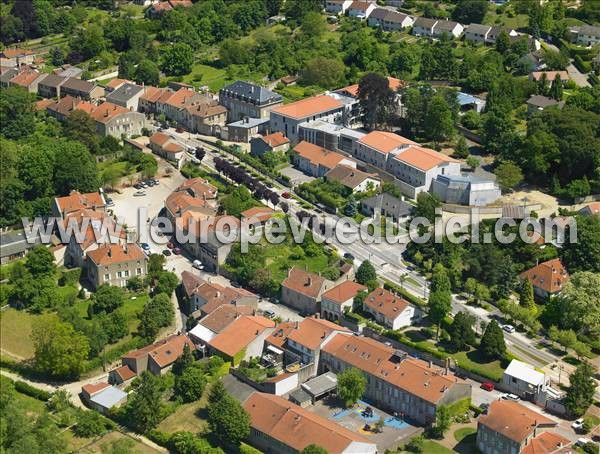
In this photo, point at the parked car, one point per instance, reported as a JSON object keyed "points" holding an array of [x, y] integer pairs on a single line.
{"points": [[197, 264], [166, 252], [155, 181], [487, 385], [176, 251], [269, 313], [286, 195], [137, 186], [149, 183], [510, 397], [143, 184], [139, 193], [509, 328], [577, 424], [348, 256], [145, 246], [582, 441], [109, 202]]}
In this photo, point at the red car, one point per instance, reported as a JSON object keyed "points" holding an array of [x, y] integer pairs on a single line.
{"points": [[286, 195], [176, 251], [488, 386]]}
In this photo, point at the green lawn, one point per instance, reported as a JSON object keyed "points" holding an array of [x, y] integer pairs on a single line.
{"points": [[518, 21], [15, 332], [460, 434], [279, 261], [201, 74], [475, 363], [431, 447]]}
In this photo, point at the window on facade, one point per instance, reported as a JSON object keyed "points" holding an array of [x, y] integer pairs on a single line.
{"points": [[119, 274], [139, 271], [126, 273], [106, 277]]}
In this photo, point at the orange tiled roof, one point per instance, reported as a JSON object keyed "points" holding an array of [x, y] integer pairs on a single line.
{"points": [[107, 111], [303, 282], [281, 333], [309, 106], [77, 201], [124, 372], [311, 332], [152, 94], [276, 139], [25, 78], [159, 138], [109, 254], [164, 352], [343, 292], [550, 276], [240, 333], [513, 420], [162, 6], [43, 104], [423, 158], [223, 315], [319, 155], [394, 84], [386, 303], [173, 148], [93, 388], [116, 83], [199, 187], [215, 295], [262, 213], [592, 208], [551, 75], [178, 202], [12, 53], [296, 427], [379, 360], [384, 142], [181, 97], [548, 443]]}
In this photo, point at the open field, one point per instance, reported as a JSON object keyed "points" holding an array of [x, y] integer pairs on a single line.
{"points": [[15, 333], [119, 440]]}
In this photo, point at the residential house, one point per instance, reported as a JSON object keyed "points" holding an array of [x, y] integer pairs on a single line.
{"points": [[416, 167], [215, 322], [158, 9], [206, 297], [550, 75], [510, 427], [316, 161], [62, 108], [14, 245], [585, 35], [496, 30], [244, 99], [447, 27], [76, 201], [115, 83], [28, 79], [158, 357], [126, 95], [206, 116], [523, 380], [256, 215], [278, 425], [302, 290], [79, 88], [102, 397], [148, 100], [6, 74], [337, 7], [477, 33], [354, 179], [16, 57], [424, 26], [395, 21], [390, 310], [328, 135], [537, 103], [199, 188], [377, 16], [243, 130], [115, 264], [163, 145], [396, 382], [386, 205], [592, 209], [272, 142], [195, 195], [242, 339], [339, 299], [547, 278], [465, 190], [49, 86], [173, 104], [211, 238], [376, 147], [67, 71], [122, 375], [470, 102], [117, 121], [361, 9], [287, 118]]}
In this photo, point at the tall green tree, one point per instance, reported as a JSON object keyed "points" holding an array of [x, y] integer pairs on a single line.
{"points": [[440, 296], [228, 420], [184, 361], [461, 331], [190, 385], [178, 59], [508, 174], [492, 343], [526, 298], [556, 89], [366, 273], [313, 449], [106, 299], [438, 122], [17, 115], [75, 169], [580, 393], [40, 262], [351, 385], [377, 100], [144, 406], [443, 420], [470, 11], [147, 72], [583, 254]]}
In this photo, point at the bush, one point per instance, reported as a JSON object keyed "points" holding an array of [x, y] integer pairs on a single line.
{"points": [[90, 424], [26, 388], [416, 444], [388, 285], [160, 438]]}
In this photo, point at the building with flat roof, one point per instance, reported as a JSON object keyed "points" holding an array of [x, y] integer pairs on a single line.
{"points": [[243, 130], [523, 380], [465, 190]]}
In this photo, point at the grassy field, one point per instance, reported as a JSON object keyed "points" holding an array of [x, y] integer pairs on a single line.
{"points": [[279, 261], [201, 74], [461, 434], [15, 333], [518, 21], [474, 362], [113, 442], [431, 447]]}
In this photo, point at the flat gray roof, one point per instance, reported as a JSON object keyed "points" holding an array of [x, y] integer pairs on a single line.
{"points": [[320, 385], [249, 122], [109, 397]]}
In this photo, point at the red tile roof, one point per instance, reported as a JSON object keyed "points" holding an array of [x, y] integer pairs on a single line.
{"points": [[550, 276], [109, 254], [199, 187], [261, 214], [311, 332], [379, 360], [423, 158], [77, 201], [303, 282], [223, 316], [296, 427], [25, 78], [592, 208], [93, 388], [159, 138], [384, 142], [352, 90], [386, 303], [152, 94], [276, 139], [319, 156], [551, 75], [513, 420], [240, 333], [116, 83], [12, 53], [548, 443], [308, 107], [281, 333], [124, 372], [164, 352], [107, 111], [343, 292]]}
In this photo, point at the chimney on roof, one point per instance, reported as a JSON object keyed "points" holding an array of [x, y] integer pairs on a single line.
{"points": [[309, 282], [430, 364], [109, 251]]}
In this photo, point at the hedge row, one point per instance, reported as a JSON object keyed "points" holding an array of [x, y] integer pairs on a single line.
{"points": [[389, 285]]}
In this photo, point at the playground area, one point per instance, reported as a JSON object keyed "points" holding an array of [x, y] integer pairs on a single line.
{"points": [[364, 419]]}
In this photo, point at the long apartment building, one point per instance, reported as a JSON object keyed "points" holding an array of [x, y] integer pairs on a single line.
{"points": [[408, 386]]}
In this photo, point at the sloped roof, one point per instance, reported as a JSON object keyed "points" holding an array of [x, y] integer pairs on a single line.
{"points": [[77, 201], [107, 111], [124, 92], [386, 303], [164, 352], [309, 106], [253, 92], [343, 292], [311, 332], [423, 158], [276, 139], [235, 337], [319, 156], [349, 176], [385, 142], [303, 282], [550, 276], [394, 84], [109, 254], [79, 84]]}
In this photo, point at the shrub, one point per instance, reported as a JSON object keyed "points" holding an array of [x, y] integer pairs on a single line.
{"points": [[26, 388], [416, 444]]}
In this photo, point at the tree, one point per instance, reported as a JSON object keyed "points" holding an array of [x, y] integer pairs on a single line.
{"points": [[526, 298], [187, 443], [462, 150], [156, 263], [499, 134], [144, 407], [167, 282], [440, 296], [556, 89], [426, 206], [438, 123], [313, 449], [190, 385], [313, 24], [543, 86], [228, 420], [461, 331], [492, 343], [443, 420], [366, 273], [106, 299], [377, 100], [74, 169], [580, 393], [147, 73], [178, 59], [502, 42], [473, 162], [324, 72], [583, 254], [60, 351], [578, 303], [470, 11], [184, 361], [157, 313], [90, 424], [351, 385], [17, 114], [509, 175], [217, 392], [40, 262]]}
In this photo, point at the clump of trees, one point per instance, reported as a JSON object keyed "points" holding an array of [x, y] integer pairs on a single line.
{"points": [[351, 385]]}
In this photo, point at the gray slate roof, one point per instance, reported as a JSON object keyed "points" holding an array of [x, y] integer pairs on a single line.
{"points": [[109, 397], [379, 13], [254, 92], [479, 29], [124, 93], [79, 85], [425, 22], [445, 25], [52, 80], [15, 242], [389, 204], [542, 101]]}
